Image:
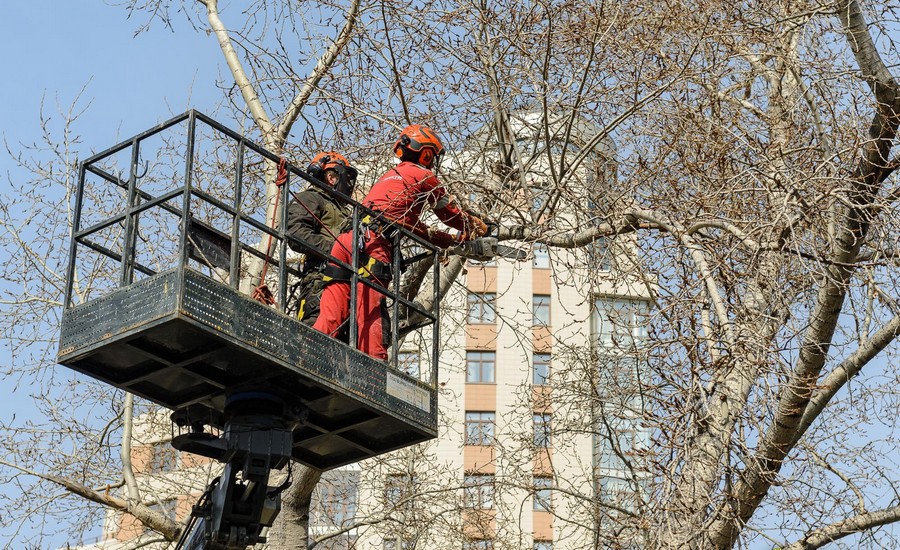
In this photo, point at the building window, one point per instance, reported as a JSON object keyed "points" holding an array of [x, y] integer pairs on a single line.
{"points": [[399, 544], [335, 499], [408, 362], [620, 336], [398, 488], [620, 492], [542, 426], [540, 310], [620, 324], [618, 379], [543, 545], [163, 458], [482, 544], [480, 308], [543, 490], [480, 367], [541, 368], [479, 491], [479, 428], [599, 255], [621, 442], [541, 256]]}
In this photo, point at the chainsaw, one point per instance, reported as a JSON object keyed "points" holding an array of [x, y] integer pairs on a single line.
{"points": [[486, 248]]}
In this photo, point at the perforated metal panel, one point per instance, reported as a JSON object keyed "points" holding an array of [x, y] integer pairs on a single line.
{"points": [[179, 339]]}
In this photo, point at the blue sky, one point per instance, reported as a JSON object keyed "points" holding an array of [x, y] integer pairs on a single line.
{"points": [[56, 48]]}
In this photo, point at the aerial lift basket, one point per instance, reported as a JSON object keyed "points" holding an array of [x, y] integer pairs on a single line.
{"points": [[167, 226]]}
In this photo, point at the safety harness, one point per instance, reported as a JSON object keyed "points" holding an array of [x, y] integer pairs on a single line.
{"points": [[369, 268]]}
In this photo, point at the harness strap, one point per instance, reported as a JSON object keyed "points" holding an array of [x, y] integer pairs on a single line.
{"points": [[377, 224], [371, 268], [311, 303]]}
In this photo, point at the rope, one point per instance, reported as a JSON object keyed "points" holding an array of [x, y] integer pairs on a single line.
{"points": [[262, 293]]}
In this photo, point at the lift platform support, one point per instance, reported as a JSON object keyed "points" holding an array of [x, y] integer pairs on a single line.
{"points": [[239, 504], [167, 226]]}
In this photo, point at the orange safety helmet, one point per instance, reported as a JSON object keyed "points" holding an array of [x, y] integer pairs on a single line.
{"points": [[422, 140], [326, 160], [332, 160]]}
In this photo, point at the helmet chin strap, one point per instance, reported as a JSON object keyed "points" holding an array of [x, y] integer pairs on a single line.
{"points": [[436, 163]]}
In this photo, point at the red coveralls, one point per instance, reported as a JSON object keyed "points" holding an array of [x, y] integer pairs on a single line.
{"points": [[400, 195]]}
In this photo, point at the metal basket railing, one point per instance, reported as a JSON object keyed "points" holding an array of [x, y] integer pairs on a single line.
{"points": [[193, 198]]}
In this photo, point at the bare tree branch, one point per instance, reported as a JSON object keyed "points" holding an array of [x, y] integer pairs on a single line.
{"points": [[323, 66], [149, 517], [836, 531]]}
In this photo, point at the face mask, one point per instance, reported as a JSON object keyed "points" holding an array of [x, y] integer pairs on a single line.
{"points": [[346, 179]]}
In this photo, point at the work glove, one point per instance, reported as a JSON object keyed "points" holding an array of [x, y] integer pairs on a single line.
{"points": [[442, 239], [475, 228]]}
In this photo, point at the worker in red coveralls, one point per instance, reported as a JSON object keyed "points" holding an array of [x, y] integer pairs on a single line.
{"points": [[399, 197]]}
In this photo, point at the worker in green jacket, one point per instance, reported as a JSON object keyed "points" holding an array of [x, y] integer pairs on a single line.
{"points": [[315, 219]]}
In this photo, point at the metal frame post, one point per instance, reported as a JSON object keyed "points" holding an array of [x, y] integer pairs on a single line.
{"points": [[436, 326], [186, 199], [353, 338], [234, 271], [282, 248], [73, 244], [395, 306], [126, 267]]}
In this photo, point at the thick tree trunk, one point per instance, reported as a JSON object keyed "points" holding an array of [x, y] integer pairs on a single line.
{"points": [[291, 529]]}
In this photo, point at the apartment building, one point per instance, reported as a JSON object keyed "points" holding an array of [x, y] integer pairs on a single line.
{"points": [[541, 436], [534, 445]]}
